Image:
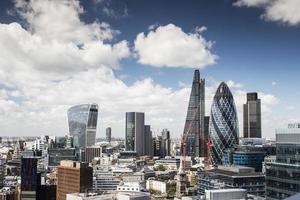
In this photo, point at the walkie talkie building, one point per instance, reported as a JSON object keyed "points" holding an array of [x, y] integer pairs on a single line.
{"points": [[83, 124], [223, 125]]}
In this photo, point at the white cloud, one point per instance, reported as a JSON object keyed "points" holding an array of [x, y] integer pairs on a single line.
{"points": [[233, 84], [169, 46], [291, 108], [284, 11], [45, 74], [251, 3], [200, 29], [274, 83]]}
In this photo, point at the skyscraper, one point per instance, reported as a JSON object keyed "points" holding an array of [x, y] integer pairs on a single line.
{"points": [[148, 141], [194, 124], [252, 116], [165, 143], [223, 125], [135, 125], [108, 134], [83, 124], [73, 177]]}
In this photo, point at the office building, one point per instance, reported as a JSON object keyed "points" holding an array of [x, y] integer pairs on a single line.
{"points": [[83, 124], [135, 129], [30, 178], [2, 171], [108, 134], [148, 151], [223, 124], [104, 182], [156, 145], [58, 154], [283, 173], [226, 194], [206, 134], [252, 116], [225, 177], [248, 156], [91, 153], [194, 124], [73, 177], [165, 149], [47, 192]]}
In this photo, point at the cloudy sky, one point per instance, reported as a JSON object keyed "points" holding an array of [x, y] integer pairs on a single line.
{"points": [[139, 55]]}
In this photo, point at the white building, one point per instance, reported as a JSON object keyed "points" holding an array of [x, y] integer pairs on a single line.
{"points": [[157, 186], [226, 194], [129, 187], [112, 196]]}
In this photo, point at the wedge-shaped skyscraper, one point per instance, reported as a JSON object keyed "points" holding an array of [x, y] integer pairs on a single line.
{"points": [[223, 125], [194, 124], [83, 124]]}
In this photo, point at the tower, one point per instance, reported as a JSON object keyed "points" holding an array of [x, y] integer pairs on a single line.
{"points": [[252, 116], [223, 124], [135, 125], [194, 124], [83, 124], [148, 147], [108, 134]]}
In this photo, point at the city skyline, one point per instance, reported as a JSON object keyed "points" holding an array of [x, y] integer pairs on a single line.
{"points": [[109, 52]]}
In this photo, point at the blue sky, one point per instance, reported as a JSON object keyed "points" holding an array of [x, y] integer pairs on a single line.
{"points": [[252, 45]]}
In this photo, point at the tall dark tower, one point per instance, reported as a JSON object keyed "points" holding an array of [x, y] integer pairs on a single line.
{"points": [[252, 116], [194, 124]]}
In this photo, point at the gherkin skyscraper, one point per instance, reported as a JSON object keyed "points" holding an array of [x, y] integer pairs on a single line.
{"points": [[194, 124], [223, 125]]}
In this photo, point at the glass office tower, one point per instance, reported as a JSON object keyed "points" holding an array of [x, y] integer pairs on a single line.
{"points": [[223, 125], [252, 116], [83, 124], [135, 125], [194, 124]]}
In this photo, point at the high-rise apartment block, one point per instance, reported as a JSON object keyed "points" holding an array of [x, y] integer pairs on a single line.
{"points": [[252, 116], [73, 177], [135, 129], [83, 124], [194, 124]]}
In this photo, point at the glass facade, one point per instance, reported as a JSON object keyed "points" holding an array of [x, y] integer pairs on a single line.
{"points": [[283, 175], [252, 116], [83, 124], [135, 126], [223, 125], [248, 156], [194, 124], [231, 177], [30, 179]]}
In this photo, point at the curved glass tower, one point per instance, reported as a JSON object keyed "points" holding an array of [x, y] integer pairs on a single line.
{"points": [[82, 121], [223, 125]]}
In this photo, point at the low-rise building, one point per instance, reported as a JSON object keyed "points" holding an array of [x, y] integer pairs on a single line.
{"points": [[157, 186], [232, 177]]}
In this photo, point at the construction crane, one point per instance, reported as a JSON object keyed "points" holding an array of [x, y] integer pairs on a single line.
{"points": [[184, 137]]}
